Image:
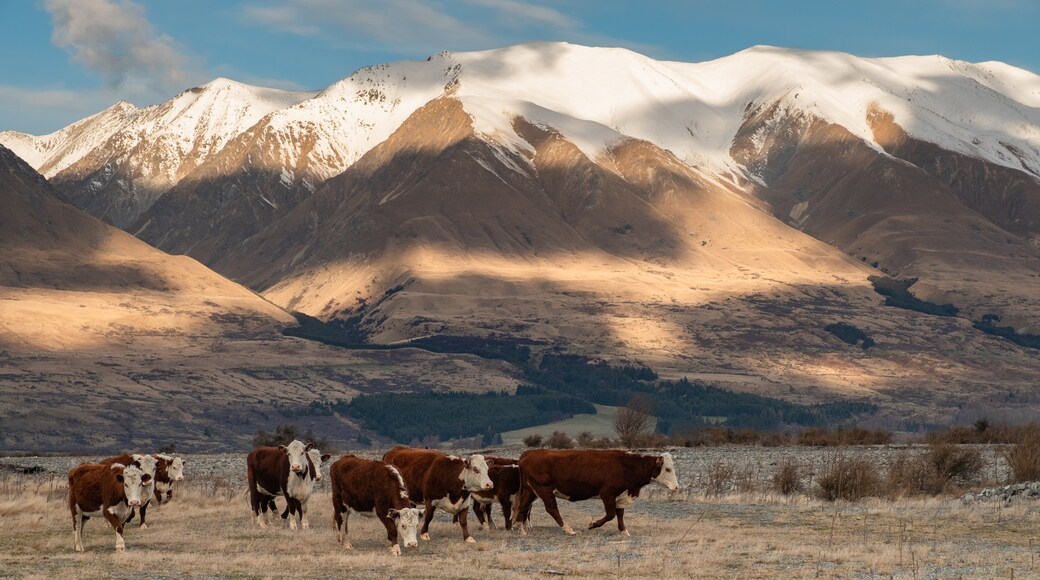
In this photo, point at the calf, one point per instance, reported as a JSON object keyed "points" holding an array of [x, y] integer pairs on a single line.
{"points": [[616, 477], [440, 481], [505, 475], [284, 470], [149, 465], [373, 488], [110, 491]]}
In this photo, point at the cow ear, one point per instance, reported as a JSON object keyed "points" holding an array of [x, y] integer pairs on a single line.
{"points": [[282, 447], [393, 514], [119, 477], [326, 457], [467, 462], [309, 447], [146, 478], [660, 461]]}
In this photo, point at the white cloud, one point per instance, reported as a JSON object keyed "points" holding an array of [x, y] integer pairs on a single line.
{"points": [[115, 39], [416, 26]]}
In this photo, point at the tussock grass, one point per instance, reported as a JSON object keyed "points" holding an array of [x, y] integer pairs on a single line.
{"points": [[208, 531]]}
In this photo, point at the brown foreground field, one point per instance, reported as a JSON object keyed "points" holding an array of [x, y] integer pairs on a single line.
{"points": [[208, 532]]}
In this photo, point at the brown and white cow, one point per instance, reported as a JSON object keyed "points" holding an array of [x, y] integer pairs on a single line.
{"points": [[284, 470], [149, 465], [505, 475], [168, 471], [614, 476], [373, 488], [314, 462], [440, 481], [109, 491]]}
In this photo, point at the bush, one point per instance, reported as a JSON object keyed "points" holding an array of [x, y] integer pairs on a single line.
{"points": [[588, 441], [1023, 460], [848, 478], [720, 479], [933, 471], [559, 440], [787, 477], [283, 435], [533, 440]]}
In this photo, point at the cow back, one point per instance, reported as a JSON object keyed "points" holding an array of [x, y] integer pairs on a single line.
{"points": [[363, 485], [415, 466], [268, 467], [93, 486]]}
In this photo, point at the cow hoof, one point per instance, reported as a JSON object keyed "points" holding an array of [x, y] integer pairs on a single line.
{"points": [[120, 549], [144, 526], [569, 531], [523, 531], [425, 536], [470, 540], [348, 546], [306, 525], [625, 532], [79, 548], [262, 524], [484, 527], [292, 525], [396, 550]]}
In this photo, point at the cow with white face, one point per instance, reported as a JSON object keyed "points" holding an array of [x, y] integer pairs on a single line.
{"points": [[149, 465], [440, 481], [294, 505], [109, 491], [284, 470], [372, 488]]}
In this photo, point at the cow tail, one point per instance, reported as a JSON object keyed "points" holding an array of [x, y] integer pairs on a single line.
{"points": [[522, 497]]}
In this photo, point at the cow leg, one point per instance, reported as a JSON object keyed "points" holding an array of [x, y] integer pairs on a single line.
{"points": [[77, 526], [133, 512], [303, 514], [343, 527], [463, 517], [257, 506], [610, 506], [424, 533], [391, 534], [144, 508], [507, 511], [621, 522], [522, 509], [478, 509], [117, 525], [487, 512], [547, 497]]}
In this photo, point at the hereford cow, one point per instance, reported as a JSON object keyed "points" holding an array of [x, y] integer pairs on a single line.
{"points": [[284, 470], [373, 488], [110, 491], [148, 465], [168, 470], [314, 462], [575, 475], [505, 475], [440, 481]]}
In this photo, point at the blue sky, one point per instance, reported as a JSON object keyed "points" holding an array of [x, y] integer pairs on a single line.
{"points": [[65, 59]]}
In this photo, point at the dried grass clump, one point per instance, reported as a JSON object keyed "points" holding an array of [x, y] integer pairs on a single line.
{"points": [[787, 477], [848, 478], [559, 440], [720, 479], [1023, 460]]}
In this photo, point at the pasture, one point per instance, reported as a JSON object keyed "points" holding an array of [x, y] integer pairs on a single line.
{"points": [[207, 531]]}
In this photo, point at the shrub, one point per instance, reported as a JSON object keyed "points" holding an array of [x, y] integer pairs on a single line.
{"points": [[533, 440], [1023, 460], [787, 477], [585, 439], [933, 471], [720, 479], [559, 440], [283, 435], [848, 478]]}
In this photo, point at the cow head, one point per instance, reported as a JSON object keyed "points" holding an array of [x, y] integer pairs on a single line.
{"points": [[664, 472], [297, 454], [175, 470], [147, 465], [132, 479], [407, 521], [474, 474], [317, 459]]}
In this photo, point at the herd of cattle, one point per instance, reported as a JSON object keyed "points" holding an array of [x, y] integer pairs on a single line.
{"points": [[390, 489]]}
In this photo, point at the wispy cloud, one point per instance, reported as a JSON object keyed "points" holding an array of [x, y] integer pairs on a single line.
{"points": [[114, 39], [422, 26], [45, 110]]}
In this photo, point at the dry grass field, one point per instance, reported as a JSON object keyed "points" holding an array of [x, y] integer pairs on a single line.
{"points": [[208, 532]]}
